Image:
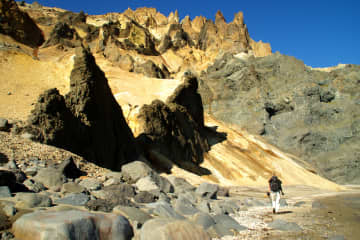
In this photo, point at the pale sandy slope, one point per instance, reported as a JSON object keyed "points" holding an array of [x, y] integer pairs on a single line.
{"points": [[242, 159]]}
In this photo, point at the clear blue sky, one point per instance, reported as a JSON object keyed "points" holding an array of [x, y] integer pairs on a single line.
{"points": [[319, 32]]}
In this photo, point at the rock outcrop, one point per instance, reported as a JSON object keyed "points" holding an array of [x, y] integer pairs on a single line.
{"points": [[88, 121], [19, 25], [175, 129], [311, 114]]}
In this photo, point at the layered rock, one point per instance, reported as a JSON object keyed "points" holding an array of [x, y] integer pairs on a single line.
{"points": [[175, 129], [310, 114], [89, 122], [19, 25]]}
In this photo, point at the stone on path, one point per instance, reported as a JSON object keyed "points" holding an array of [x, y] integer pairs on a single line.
{"points": [[133, 214], [133, 171], [169, 229], [285, 226], [50, 177], [72, 225], [226, 225], [91, 184]]}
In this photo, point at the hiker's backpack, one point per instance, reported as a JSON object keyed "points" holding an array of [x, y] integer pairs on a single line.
{"points": [[275, 184]]}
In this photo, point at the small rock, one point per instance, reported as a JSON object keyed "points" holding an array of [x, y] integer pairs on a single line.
{"points": [[75, 199], [225, 225], [4, 124], [185, 207], [7, 236], [91, 184], [223, 192], [181, 185], [133, 214], [31, 171], [204, 206], [50, 177], [69, 168], [11, 165], [207, 190], [100, 205], [133, 171], [299, 204], [31, 200], [203, 219], [5, 192], [112, 181], [164, 209], [71, 187], [9, 210], [145, 197]]}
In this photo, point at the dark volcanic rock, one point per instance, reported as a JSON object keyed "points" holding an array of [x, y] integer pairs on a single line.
{"points": [[19, 25], [175, 129], [89, 122], [311, 114], [64, 35]]}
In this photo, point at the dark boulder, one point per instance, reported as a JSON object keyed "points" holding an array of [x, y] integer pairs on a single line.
{"points": [[19, 25]]}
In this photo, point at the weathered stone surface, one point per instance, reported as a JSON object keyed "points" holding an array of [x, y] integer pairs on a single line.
{"points": [[69, 168], [310, 114], [91, 184], [203, 219], [34, 186], [31, 200], [75, 199], [50, 177], [282, 225], [19, 25], [63, 34], [207, 190], [226, 225], [172, 128], [100, 205], [154, 182], [4, 124], [150, 69], [116, 194], [5, 192], [133, 171], [225, 207], [164, 229], [181, 185], [73, 224], [8, 178], [164, 209], [133, 214], [72, 187], [185, 207], [145, 197], [84, 123]]}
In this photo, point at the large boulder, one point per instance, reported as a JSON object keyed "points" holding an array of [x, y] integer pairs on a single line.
{"points": [[19, 25], [162, 228], [308, 113], [89, 122], [73, 224]]}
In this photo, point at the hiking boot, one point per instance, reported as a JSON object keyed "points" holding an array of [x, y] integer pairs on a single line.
{"points": [[274, 211]]}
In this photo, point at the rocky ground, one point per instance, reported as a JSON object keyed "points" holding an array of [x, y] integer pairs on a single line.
{"points": [[50, 187]]}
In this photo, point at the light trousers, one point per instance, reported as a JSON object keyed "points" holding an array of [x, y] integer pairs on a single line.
{"points": [[275, 199]]}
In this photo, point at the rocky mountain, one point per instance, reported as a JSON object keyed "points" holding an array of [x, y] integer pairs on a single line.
{"points": [[122, 91], [309, 113]]}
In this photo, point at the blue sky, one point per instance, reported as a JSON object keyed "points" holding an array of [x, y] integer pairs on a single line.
{"points": [[319, 32]]}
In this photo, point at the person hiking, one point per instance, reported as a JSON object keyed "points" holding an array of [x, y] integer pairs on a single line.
{"points": [[275, 189]]}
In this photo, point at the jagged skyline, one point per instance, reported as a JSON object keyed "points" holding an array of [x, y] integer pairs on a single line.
{"points": [[321, 33]]}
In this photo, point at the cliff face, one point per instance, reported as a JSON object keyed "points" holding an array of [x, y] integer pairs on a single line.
{"points": [[311, 114]]}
